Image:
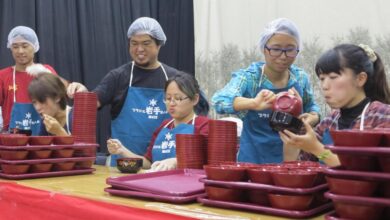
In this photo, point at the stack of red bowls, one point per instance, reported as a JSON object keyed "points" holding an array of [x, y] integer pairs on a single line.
{"points": [[84, 117], [222, 142], [190, 151]]}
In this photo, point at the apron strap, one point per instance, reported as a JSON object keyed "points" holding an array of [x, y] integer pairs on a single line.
{"points": [[132, 69], [363, 117], [67, 110], [361, 126], [193, 121], [14, 83]]}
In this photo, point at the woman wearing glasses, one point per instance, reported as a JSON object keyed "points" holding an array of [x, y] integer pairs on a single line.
{"points": [[251, 91], [183, 102]]}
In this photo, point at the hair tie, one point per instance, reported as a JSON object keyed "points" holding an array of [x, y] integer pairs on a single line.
{"points": [[370, 52]]}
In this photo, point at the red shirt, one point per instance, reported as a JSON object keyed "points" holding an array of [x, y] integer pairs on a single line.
{"points": [[22, 80], [201, 127]]}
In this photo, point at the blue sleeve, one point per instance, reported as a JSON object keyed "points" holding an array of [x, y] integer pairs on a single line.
{"points": [[223, 99], [309, 103]]}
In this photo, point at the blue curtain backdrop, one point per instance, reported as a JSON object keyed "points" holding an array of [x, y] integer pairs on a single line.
{"points": [[84, 39]]}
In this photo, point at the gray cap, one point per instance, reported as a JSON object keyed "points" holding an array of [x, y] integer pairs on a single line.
{"points": [[23, 34], [146, 25], [279, 26]]}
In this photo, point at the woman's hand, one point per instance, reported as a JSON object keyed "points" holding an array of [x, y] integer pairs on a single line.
{"points": [[263, 100], [311, 118], [307, 142], [53, 126], [115, 147], [162, 165]]}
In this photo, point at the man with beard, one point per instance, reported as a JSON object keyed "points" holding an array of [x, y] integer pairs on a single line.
{"points": [[135, 89]]}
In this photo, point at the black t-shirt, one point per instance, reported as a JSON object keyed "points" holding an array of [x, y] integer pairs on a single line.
{"points": [[114, 86]]}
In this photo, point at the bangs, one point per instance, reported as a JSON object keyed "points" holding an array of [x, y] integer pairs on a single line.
{"points": [[329, 62], [38, 92]]}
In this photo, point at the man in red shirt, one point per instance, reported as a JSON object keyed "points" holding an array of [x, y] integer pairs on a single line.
{"points": [[14, 80]]}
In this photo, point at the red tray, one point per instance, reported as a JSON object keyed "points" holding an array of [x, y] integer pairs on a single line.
{"points": [[182, 182], [47, 174], [265, 187], [380, 151], [361, 175], [75, 146], [359, 199], [267, 210], [49, 160], [162, 198]]}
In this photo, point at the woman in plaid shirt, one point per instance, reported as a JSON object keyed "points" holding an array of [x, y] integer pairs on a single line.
{"points": [[354, 84]]}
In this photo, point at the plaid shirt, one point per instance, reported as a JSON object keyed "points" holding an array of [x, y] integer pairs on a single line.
{"points": [[245, 83], [377, 116]]}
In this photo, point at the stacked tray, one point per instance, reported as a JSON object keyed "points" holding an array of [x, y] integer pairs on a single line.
{"points": [[23, 157], [191, 151], [174, 186], [360, 187], [270, 188], [84, 117], [222, 141]]}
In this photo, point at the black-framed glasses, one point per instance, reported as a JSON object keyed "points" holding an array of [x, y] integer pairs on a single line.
{"points": [[275, 52], [174, 100]]}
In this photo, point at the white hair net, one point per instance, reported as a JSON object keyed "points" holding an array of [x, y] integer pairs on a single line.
{"points": [[279, 26], [23, 34], [146, 25]]}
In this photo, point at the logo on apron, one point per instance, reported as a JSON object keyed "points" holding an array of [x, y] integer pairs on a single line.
{"points": [[167, 144], [152, 110]]}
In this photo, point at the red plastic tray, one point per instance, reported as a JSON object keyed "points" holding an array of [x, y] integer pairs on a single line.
{"points": [[267, 210], [265, 187], [361, 175], [182, 182], [76, 146], [49, 160], [47, 174], [359, 199], [162, 198], [380, 151]]}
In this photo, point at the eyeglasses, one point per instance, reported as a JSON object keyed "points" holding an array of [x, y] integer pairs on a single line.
{"points": [[174, 100], [276, 52]]}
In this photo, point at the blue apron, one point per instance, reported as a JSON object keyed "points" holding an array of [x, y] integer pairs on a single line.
{"points": [[23, 115], [165, 144], [259, 143], [142, 112]]}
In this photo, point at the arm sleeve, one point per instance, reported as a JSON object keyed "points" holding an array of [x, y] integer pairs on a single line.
{"points": [[380, 117], [51, 69], [309, 104], [223, 99], [202, 125], [148, 154], [106, 89]]}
